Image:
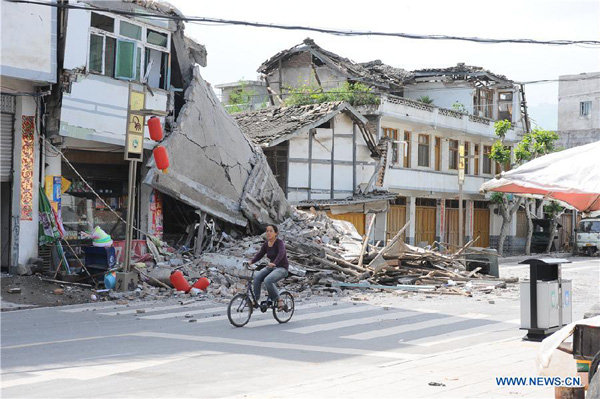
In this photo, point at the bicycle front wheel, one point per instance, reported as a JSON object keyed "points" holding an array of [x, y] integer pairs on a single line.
{"points": [[284, 315], [239, 310]]}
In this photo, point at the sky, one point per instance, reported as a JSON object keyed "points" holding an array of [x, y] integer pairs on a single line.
{"points": [[235, 52]]}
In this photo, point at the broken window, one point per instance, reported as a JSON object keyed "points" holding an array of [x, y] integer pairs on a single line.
{"points": [[487, 161], [453, 156], [102, 22], [505, 106], [157, 38], [423, 150], [156, 68], [407, 149], [393, 135], [483, 102], [124, 55]]}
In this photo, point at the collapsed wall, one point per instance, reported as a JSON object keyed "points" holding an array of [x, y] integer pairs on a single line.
{"points": [[214, 167]]}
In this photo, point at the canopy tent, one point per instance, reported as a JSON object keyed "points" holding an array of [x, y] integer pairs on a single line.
{"points": [[571, 176]]}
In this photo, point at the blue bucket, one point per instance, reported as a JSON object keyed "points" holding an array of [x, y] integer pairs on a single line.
{"points": [[109, 280]]}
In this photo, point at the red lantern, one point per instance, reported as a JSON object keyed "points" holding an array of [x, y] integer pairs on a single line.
{"points": [[202, 283], [155, 129], [179, 282], [161, 158]]}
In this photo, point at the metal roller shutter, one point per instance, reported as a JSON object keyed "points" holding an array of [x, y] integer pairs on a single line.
{"points": [[7, 125]]}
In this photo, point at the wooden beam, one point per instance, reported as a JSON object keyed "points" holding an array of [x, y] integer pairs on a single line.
{"points": [[366, 241], [200, 237]]}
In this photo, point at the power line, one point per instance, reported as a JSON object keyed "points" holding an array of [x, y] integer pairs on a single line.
{"points": [[337, 32]]}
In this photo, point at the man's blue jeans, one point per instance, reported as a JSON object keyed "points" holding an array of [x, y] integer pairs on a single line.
{"points": [[270, 275]]}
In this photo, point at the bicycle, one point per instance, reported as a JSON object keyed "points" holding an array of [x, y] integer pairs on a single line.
{"points": [[242, 305]]}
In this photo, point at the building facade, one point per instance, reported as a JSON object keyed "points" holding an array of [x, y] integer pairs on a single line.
{"points": [[28, 69], [427, 115], [578, 109]]}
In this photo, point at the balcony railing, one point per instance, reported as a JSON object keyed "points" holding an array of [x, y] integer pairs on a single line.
{"points": [[440, 111]]}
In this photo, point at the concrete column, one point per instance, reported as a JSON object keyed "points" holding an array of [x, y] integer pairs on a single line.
{"points": [[53, 162], [440, 218], [469, 214], [412, 216], [24, 237]]}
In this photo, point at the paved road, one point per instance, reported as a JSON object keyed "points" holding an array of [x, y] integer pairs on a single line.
{"points": [[388, 346]]}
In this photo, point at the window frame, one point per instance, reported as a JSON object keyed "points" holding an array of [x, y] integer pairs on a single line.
{"points": [[407, 149], [476, 150], [453, 154], [139, 53], [487, 160], [392, 134], [426, 152], [585, 106]]}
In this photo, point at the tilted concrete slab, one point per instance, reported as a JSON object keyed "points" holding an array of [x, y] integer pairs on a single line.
{"points": [[214, 167]]}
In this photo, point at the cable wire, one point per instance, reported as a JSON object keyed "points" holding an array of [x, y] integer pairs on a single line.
{"points": [[337, 32]]}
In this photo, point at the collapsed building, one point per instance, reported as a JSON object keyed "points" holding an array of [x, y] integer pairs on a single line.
{"points": [[105, 51]]}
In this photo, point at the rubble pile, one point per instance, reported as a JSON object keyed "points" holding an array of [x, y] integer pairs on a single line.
{"points": [[324, 256]]}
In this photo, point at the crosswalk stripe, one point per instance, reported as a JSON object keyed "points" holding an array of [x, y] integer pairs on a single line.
{"points": [[354, 322], [386, 332], [177, 314], [315, 316], [270, 319], [155, 309], [460, 334], [94, 307]]}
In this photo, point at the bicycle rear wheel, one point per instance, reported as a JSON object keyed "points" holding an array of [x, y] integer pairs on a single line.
{"points": [[239, 310], [284, 315]]}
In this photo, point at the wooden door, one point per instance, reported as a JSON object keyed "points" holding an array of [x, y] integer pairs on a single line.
{"points": [[396, 219], [452, 227], [357, 219], [425, 224], [481, 227]]}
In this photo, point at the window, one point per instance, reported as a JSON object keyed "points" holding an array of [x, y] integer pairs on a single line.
{"points": [[505, 106], [483, 102], [130, 54], [487, 162], [102, 22], [476, 163], [130, 30], [406, 160], [157, 64], [96, 50], [423, 150], [157, 38], [467, 145], [393, 135], [585, 108], [126, 52], [438, 153], [453, 160]]}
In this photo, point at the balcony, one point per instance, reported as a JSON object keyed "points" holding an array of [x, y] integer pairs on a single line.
{"points": [[423, 180], [441, 118]]}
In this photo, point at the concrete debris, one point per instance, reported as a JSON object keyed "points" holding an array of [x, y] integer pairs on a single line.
{"points": [[229, 178], [324, 260]]}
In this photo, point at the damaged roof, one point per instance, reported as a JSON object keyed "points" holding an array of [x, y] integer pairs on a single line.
{"points": [[271, 126], [374, 73], [460, 72]]}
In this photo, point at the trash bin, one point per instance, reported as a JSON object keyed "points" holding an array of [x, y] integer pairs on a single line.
{"points": [[486, 258], [546, 300]]}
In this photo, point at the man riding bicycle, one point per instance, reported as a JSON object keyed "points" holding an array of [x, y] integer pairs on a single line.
{"points": [[276, 270]]}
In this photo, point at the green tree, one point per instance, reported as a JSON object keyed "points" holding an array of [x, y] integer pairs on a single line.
{"points": [[240, 99], [353, 93], [507, 204], [554, 210], [534, 144]]}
